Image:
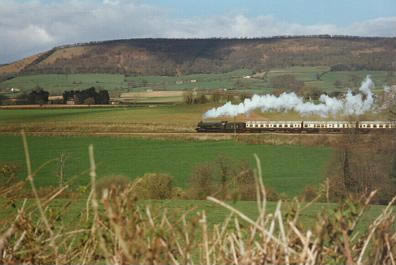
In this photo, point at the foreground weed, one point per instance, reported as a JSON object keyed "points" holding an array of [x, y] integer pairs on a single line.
{"points": [[119, 230]]}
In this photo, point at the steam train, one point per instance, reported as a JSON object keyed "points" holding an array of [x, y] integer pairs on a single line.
{"points": [[295, 126]]}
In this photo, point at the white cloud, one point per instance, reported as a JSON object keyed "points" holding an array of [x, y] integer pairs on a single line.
{"points": [[111, 2], [33, 25]]}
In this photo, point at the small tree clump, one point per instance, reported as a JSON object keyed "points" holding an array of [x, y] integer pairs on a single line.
{"points": [[216, 97], [89, 101], [155, 186], [38, 96], [188, 97]]}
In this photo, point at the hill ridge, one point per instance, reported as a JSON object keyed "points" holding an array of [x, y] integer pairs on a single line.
{"points": [[163, 56]]}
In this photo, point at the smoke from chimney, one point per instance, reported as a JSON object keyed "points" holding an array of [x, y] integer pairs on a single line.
{"points": [[350, 104]]}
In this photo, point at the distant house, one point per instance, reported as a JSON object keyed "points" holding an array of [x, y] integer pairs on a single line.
{"points": [[179, 82], [193, 81], [15, 90], [55, 100], [247, 77], [70, 102]]}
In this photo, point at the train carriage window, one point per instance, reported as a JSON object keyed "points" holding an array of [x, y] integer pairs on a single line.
{"points": [[380, 126], [375, 126]]}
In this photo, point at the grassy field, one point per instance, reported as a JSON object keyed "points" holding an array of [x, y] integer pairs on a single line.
{"points": [[57, 83], [258, 83], [171, 118], [287, 169], [131, 119]]}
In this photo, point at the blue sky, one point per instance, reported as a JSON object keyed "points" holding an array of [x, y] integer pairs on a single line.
{"points": [[31, 26]]}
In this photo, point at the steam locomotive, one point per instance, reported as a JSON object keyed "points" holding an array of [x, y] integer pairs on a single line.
{"points": [[295, 126]]}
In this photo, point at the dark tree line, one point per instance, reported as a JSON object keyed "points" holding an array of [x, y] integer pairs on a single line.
{"points": [[38, 96], [88, 96]]}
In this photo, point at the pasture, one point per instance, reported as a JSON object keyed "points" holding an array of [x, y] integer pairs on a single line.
{"points": [[258, 82], [287, 169], [163, 118]]}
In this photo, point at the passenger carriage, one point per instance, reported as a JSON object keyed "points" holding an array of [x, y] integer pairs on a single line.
{"points": [[273, 126]]}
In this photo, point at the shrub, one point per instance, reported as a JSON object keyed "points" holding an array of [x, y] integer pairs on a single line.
{"points": [[179, 194], [244, 96], [114, 184], [155, 186], [202, 182], [8, 173], [310, 193], [245, 185]]}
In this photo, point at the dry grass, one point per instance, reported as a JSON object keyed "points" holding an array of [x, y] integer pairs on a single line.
{"points": [[117, 230]]}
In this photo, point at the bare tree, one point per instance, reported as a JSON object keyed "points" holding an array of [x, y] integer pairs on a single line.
{"points": [[363, 163]]}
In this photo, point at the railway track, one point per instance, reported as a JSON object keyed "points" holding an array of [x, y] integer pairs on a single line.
{"points": [[211, 134]]}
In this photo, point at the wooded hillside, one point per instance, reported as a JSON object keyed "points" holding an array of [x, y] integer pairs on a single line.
{"points": [[187, 56]]}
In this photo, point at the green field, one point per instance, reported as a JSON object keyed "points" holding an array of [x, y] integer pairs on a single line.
{"points": [[130, 119], [216, 214], [287, 169], [172, 118], [259, 82]]}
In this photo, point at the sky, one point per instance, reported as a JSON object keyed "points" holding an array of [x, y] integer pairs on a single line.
{"points": [[31, 26]]}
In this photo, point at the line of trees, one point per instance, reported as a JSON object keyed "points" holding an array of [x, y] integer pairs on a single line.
{"points": [[88, 96], [38, 96]]}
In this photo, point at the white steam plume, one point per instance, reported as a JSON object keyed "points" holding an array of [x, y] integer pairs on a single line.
{"points": [[350, 104]]}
